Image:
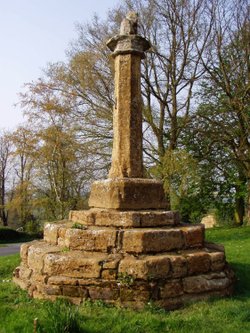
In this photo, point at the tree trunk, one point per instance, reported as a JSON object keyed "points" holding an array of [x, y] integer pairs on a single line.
{"points": [[5, 219], [3, 214], [240, 203], [239, 210], [247, 212]]}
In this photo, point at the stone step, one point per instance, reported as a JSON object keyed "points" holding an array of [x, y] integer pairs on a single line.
{"points": [[125, 219], [169, 294], [50, 271], [43, 259], [136, 240]]}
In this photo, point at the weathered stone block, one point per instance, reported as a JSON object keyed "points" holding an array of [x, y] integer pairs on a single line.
{"points": [[217, 260], [106, 218], [128, 193], [61, 242], [159, 218], [83, 292], [86, 217], [109, 274], [36, 253], [194, 235], [112, 261], [214, 246], [147, 268], [54, 231], [38, 279], [152, 240], [51, 290], [24, 251], [104, 293], [90, 239], [179, 301], [23, 284], [204, 296], [62, 280], [63, 229], [208, 282], [198, 262], [125, 219], [74, 264], [178, 266], [172, 288], [51, 232], [24, 272], [72, 291], [137, 293]]}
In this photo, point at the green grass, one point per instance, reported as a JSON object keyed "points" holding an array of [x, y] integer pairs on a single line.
{"points": [[231, 315]]}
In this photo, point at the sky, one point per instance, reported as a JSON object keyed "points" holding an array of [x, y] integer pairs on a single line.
{"points": [[32, 34]]}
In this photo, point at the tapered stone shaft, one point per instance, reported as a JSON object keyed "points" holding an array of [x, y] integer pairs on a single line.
{"points": [[127, 123], [126, 188], [128, 50]]}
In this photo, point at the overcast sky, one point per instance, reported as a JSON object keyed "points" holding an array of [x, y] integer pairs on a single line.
{"points": [[33, 33]]}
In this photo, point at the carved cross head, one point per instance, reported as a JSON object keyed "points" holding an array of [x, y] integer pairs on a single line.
{"points": [[129, 25]]}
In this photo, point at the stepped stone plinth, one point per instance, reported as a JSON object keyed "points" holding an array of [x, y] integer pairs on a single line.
{"points": [[128, 249]]}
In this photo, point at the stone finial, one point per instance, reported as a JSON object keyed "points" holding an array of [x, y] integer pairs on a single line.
{"points": [[129, 24], [128, 41]]}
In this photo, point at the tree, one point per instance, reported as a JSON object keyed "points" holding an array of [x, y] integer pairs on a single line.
{"points": [[226, 95], [24, 153], [5, 169], [189, 39], [173, 67], [61, 176], [82, 88]]}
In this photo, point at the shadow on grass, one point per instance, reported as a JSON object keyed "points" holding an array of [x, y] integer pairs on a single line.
{"points": [[242, 285]]}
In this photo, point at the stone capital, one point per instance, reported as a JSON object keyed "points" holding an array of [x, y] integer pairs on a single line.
{"points": [[128, 44]]}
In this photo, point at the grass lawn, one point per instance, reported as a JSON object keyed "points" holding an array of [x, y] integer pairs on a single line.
{"points": [[232, 315]]}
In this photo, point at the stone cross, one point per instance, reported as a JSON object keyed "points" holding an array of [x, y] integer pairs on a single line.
{"points": [[128, 50], [125, 188]]}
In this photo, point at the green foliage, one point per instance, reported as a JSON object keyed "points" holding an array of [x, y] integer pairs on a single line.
{"points": [[33, 227], [180, 175], [224, 214], [78, 226], [8, 235], [183, 184], [65, 249], [191, 209], [125, 279]]}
